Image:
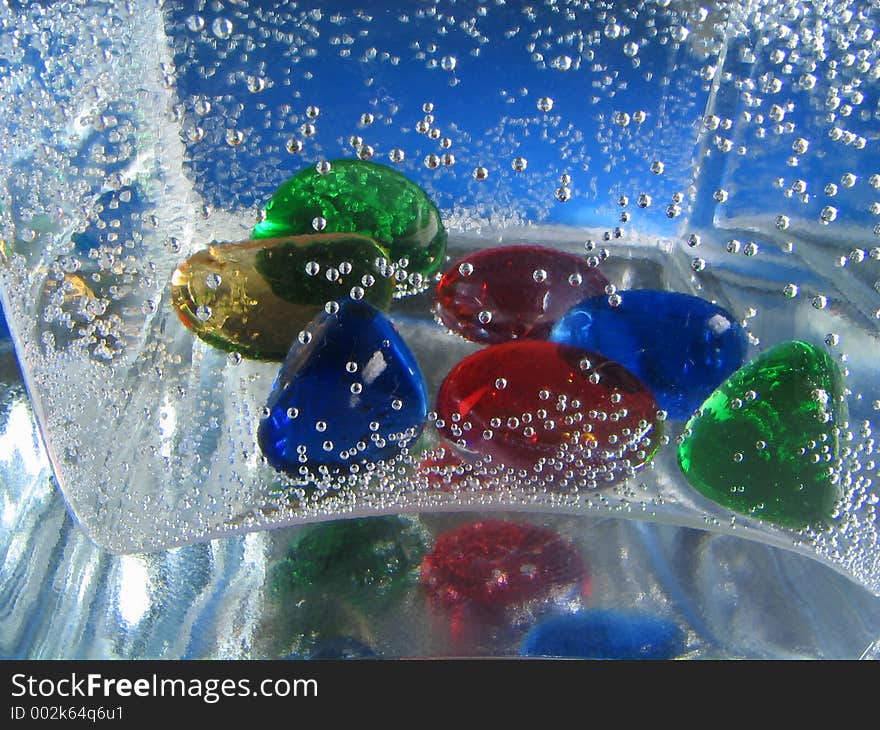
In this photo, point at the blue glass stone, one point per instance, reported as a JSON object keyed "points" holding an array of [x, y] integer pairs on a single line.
{"points": [[604, 634], [681, 346], [350, 391]]}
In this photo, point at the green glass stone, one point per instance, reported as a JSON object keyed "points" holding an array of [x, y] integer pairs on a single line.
{"points": [[766, 442], [363, 197], [255, 297]]}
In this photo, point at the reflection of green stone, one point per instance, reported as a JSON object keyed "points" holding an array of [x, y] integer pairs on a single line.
{"points": [[255, 297], [359, 561], [765, 443], [362, 197]]}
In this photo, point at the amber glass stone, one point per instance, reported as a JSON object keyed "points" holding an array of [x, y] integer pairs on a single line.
{"points": [[255, 297]]}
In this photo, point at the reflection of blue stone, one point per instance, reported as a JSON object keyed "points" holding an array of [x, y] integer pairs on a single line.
{"points": [[4, 327], [604, 634], [352, 393], [682, 346], [339, 647], [342, 647]]}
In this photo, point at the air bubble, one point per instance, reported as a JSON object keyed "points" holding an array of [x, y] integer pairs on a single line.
{"points": [[256, 84], [800, 145], [828, 214], [234, 137], [195, 23], [222, 28]]}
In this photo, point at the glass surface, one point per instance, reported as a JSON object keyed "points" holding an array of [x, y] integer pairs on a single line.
{"points": [[724, 150]]}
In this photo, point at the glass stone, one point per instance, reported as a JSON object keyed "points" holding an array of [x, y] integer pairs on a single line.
{"points": [[316, 419], [255, 297], [604, 634], [356, 196], [495, 564], [682, 346], [766, 442], [513, 292], [533, 404]]}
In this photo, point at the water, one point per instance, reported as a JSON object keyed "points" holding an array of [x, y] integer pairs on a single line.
{"points": [[725, 150]]}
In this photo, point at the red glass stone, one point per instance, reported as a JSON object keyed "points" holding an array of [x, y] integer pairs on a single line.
{"points": [[553, 408], [513, 292], [495, 564]]}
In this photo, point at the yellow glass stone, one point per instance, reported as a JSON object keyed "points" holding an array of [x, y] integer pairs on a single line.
{"points": [[255, 297]]}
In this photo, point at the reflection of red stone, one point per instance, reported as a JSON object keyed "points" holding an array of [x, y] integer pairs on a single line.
{"points": [[494, 564], [534, 402], [513, 292]]}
